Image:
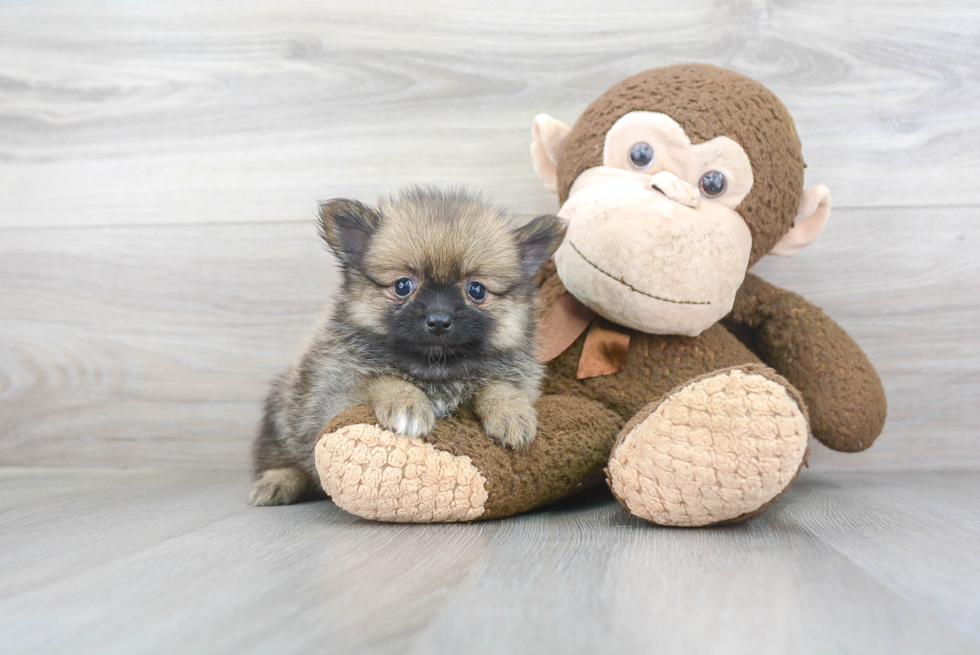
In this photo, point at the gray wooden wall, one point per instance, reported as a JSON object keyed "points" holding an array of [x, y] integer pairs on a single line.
{"points": [[160, 164]]}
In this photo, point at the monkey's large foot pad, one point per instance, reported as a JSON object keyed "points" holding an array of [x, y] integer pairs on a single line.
{"points": [[717, 449], [377, 474]]}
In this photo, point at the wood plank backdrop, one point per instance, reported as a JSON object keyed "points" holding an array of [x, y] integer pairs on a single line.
{"points": [[160, 165]]}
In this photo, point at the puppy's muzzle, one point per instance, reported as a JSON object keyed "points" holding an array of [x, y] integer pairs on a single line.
{"points": [[439, 323]]}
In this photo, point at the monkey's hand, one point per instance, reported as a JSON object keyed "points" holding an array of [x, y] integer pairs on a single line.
{"points": [[400, 406], [842, 391], [507, 414]]}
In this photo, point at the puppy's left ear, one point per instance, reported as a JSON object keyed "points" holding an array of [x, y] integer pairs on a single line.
{"points": [[347, 226], [538, 241]]}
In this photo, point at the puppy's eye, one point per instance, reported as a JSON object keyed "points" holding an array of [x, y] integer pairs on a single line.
{"points": [[476, 291], [713, 184], [641, 155], [404, 287]]}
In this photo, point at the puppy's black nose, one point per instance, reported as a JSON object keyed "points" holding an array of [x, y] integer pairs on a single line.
{"points": [[439, 323]]}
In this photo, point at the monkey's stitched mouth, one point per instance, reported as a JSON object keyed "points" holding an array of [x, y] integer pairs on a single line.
{"points": [[631, 287]]}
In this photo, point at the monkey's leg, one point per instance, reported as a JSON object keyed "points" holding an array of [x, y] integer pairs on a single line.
{"points": [[718, 448], [457, 472]]}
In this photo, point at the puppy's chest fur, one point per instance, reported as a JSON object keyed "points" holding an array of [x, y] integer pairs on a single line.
{"points": [[450, 388], [447, 397]]}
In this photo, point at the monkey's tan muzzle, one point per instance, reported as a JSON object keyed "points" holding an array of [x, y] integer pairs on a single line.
{"points": [[676, 189]]}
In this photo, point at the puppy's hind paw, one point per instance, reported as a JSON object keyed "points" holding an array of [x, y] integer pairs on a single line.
{"points": [[282, 486]]}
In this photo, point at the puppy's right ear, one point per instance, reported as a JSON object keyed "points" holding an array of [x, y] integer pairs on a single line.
{"points": [[347, 226]]}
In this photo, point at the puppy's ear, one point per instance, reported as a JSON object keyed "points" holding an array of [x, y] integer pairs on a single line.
{"points": [[347, 226], [538, 241]]}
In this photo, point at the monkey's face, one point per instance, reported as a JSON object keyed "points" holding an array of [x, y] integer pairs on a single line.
{"points": [[654, 240]]}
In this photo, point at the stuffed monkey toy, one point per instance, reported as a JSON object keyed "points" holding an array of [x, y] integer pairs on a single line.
{"points": [[691, 385]]}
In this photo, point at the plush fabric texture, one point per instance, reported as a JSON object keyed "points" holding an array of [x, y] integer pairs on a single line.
{"points": [[376, 474], [840, 386], [716, 425], [604, 350], [655, 364], [718, 102], [565, 320], [712, 450], [457, 473], [581, 419], [811, 219]]}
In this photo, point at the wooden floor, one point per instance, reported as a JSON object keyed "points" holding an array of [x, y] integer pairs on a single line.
{"points": [[147, 561]]}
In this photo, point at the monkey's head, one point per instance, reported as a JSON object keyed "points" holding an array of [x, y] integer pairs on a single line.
{"points": [[674, 182]]}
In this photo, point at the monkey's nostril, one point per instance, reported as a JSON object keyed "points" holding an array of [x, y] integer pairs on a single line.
{"points": [[439, 323]]}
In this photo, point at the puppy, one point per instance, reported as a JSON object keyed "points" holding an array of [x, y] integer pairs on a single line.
{"points": [[435, 314]]}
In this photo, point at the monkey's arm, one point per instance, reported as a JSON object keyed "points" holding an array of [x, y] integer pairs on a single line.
{"points": [[843, 393]]}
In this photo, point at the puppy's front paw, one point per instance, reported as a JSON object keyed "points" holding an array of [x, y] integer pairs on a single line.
{"points": [[514, 424], [400, 406], [406, 414], [282, 486], [412, 419]]}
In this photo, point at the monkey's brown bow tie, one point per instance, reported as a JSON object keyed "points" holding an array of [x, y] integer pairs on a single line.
{"points": [[606, 343]]}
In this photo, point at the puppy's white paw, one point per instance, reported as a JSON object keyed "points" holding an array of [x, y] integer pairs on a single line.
{"points": [[412, 417], [282, 486]]}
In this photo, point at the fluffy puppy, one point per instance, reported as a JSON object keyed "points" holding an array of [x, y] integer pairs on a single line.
{"points": [[435, 315]]}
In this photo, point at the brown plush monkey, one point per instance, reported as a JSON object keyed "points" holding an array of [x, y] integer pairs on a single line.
{"points": [[692, 383]]}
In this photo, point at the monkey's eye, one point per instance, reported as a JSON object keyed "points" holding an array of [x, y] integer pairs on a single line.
{"points": [[641, 155], [476, 291], [713, 184], [404, 287]]}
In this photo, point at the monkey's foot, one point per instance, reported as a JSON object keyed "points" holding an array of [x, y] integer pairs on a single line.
{"points": [[377, 474], [717, 449], [459, 473]]}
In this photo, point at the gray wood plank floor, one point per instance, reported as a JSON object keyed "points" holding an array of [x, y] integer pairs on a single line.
{"points": [[149, 561]]}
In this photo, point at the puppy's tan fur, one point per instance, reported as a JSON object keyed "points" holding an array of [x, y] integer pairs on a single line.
{"points": [[507, 413]]}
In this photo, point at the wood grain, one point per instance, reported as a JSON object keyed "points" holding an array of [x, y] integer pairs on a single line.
{"points": [[149, 345], [176, 112], [160, 163], [173, 561], [152, 345]]}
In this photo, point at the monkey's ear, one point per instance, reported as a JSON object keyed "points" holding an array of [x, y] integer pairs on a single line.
{"points": [[809, 223], [347, 227], [538, 241], [547, 138]]}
